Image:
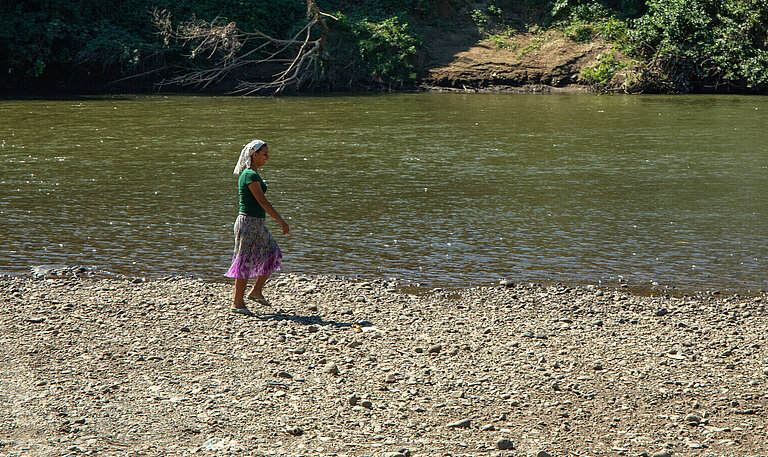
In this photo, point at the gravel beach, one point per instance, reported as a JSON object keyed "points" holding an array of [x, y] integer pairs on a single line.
{"points": [[348, 368]]}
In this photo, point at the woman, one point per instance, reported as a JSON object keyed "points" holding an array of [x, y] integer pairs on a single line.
{"points": [[256, 252]]}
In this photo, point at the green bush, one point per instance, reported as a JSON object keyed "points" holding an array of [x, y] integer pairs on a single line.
{"points": [[588, 21], [379, 51], [113, 46], [479, 18], [706, 43], [602, 72], [32, 40], [494, 11], [613, 29], [594, 9]]}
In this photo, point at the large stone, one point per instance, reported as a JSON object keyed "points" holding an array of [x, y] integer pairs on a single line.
{"points": [[692, 419], [435, 349], [504, 444]]}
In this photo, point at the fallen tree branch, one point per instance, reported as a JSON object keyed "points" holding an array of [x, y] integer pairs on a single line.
{"points": [[226, 48]]}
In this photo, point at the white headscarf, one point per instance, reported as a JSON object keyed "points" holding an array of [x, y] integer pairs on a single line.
{"points": [[245, 155]]}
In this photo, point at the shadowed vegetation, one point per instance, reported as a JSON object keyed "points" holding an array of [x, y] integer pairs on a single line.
{"points": [[661, 45]]}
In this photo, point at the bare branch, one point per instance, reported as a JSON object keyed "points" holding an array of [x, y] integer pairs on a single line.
{"points": [[226, 48]]}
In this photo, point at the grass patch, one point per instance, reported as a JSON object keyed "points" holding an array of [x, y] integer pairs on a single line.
{"points": [[503, 39], [536, 43], [600, 74], [610, 29]]}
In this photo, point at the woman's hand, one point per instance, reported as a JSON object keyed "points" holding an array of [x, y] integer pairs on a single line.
{"points": [[284, 226]]}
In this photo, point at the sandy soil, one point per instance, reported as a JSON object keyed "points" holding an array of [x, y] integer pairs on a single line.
{"points": [[336, 367], [462, 59]]}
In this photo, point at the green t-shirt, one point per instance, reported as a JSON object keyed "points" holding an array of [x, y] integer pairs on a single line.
{"points": [[248, 204]]}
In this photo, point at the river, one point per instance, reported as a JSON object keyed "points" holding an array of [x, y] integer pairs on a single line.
{"points": [[447, 190]]}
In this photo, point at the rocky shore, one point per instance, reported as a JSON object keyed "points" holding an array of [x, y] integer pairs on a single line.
{"points": [[337, 367]]}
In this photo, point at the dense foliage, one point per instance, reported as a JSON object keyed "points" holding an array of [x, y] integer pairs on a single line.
{"points": [[681, 45], [82, 42], [373, 52], [706, 44]]}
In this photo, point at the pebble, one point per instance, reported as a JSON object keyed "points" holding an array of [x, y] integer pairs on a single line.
{"points": [[692, 419], [694, 444], [504, 444], [331, 368], [506, 383], [464, 423], [663, 453], [295, 431]]}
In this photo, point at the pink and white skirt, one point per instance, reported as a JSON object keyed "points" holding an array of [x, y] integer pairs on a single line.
{"points": [[256, 252]]}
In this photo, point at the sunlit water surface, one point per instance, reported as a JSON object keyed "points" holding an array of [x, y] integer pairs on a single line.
{"points": [[443, 189]]}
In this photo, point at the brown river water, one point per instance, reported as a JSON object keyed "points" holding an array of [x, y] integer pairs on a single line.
{"points": [[447, 190]]}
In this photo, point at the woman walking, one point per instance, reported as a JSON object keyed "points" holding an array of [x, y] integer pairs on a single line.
{"points": [[256, 252]]}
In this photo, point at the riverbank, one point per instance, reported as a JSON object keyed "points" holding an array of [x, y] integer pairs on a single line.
{"points": [[541, 62], [336, 367], [631, 46]]}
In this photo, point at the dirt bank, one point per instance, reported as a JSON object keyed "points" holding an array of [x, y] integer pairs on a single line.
{"points": [[120, 367], [546, 61]]}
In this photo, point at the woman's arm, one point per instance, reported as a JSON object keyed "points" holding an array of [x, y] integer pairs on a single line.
{"points": [[262, 199]]}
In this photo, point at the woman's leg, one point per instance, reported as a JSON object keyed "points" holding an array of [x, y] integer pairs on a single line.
{"points": [[257, 292], [240, 285]]}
